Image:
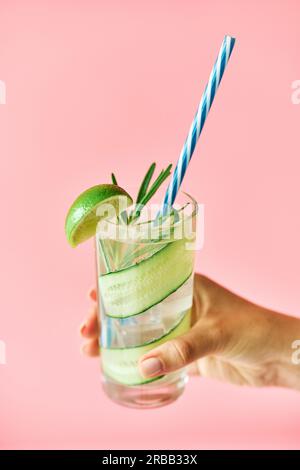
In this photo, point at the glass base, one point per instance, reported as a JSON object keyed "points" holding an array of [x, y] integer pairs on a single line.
{"points": [[151, 395]]}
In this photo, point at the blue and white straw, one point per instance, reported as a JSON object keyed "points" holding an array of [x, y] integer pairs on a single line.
{"points": [[198, 123]]}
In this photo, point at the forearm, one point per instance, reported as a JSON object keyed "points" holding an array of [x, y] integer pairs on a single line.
{"points": [[273, 345]]}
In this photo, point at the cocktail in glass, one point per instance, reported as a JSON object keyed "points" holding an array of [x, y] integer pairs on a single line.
{"points": [[145, 292]]}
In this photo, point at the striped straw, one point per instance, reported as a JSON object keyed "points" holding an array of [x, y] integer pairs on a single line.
{"points": [[198, 123]]}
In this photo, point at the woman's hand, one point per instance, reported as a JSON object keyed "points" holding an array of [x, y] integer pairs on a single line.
{"points": [[231, 339]]}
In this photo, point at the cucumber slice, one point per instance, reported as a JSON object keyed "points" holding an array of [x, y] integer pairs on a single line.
{"points": [[133, 290], [121, 364]]}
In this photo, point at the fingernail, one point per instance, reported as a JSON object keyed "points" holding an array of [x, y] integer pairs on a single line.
{"points": [[82, 328], [92, 294], [151, 366]]}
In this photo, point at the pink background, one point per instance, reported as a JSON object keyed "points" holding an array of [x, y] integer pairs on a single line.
{"points": [[95, 86]]}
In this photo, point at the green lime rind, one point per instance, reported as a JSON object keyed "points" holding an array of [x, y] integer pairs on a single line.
{"points": [[81, 221]]}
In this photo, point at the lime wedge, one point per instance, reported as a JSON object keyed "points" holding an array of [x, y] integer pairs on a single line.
{"points": [[82, 218]]}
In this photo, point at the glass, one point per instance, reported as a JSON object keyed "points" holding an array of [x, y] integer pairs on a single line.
{"points": [[145, 293]]}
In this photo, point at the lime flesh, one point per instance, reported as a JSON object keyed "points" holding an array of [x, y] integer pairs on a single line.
{"points": [[82, 218]]}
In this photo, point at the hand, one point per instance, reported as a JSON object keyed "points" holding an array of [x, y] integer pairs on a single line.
{"points": [[231, 339], [90, 328]]}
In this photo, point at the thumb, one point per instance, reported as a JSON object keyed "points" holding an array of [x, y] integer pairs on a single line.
{"points": [[180, 351]]}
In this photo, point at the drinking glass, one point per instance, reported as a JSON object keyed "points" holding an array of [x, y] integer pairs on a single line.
{"points": [[145, 293]]}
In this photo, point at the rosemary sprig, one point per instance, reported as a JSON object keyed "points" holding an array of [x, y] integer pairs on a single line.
{"points": [[164, 174], [145, 183], [156, 185], [114, 179]]}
